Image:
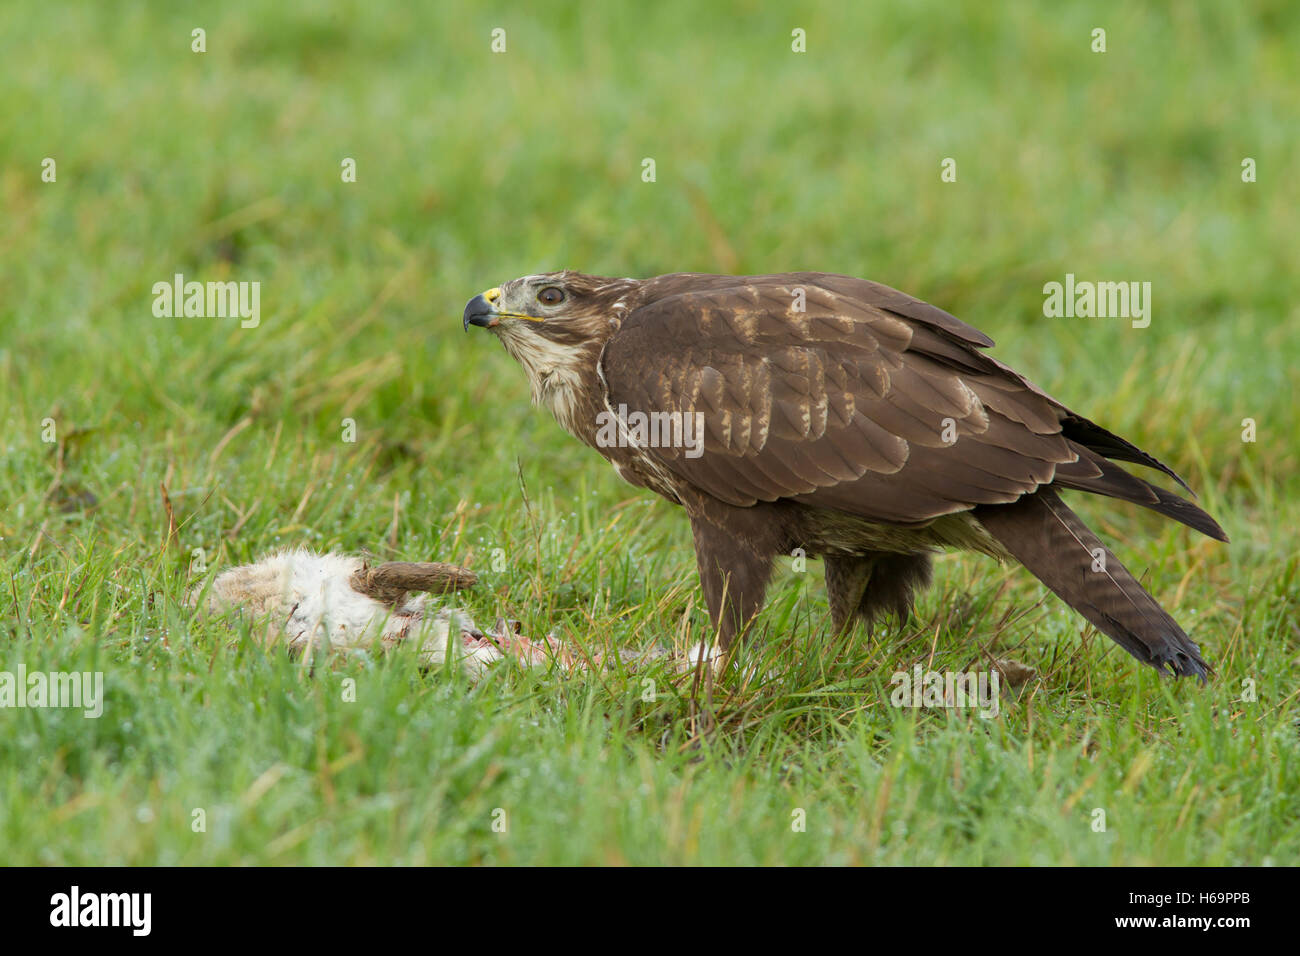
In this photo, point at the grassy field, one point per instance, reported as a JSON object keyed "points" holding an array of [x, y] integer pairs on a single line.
{"points": [[474, 167]]}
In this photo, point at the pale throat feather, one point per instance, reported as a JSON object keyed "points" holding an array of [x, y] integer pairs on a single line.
{"points": [[555, 377]]}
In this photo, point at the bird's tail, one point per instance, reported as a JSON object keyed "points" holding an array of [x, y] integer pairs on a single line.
{"points": [[1058, 548]]}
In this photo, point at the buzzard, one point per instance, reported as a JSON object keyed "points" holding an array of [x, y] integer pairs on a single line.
{"points": [[839, 416]]}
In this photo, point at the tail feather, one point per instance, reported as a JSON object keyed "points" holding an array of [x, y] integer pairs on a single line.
{"points": [[1091, 435], [1095, 474], [1049, 539]]}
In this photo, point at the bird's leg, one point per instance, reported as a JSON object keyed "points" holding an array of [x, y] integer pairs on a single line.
{"points": [[846, 583], [734, 574], [895, 579], [865, 587]]}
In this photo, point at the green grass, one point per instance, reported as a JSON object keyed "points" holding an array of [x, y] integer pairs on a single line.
{"points": [[474, 168]]}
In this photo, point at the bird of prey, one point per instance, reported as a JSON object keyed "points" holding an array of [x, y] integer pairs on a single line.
{"points": [[839, 416]]}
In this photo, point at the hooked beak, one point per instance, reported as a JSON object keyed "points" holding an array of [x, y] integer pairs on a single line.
{"points": [[481, 312]]}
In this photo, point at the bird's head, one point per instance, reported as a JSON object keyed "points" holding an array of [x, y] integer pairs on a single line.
{"points": [[559, 306], [554, 326]]}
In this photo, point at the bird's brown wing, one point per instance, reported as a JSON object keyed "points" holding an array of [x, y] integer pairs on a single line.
{"points": [[852, 403], [846, 394], [1056, 546]]}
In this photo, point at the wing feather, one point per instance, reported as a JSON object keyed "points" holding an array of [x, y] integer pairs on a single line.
{"points": [[851, 402]]}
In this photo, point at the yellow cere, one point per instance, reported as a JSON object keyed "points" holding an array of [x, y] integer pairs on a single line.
{"points": [[493, 295]]}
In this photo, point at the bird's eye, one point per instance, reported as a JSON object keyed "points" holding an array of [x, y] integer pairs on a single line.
{"points": [[550, 296]]}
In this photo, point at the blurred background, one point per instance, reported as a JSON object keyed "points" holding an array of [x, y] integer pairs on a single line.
{"points": [[474, 167]]}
